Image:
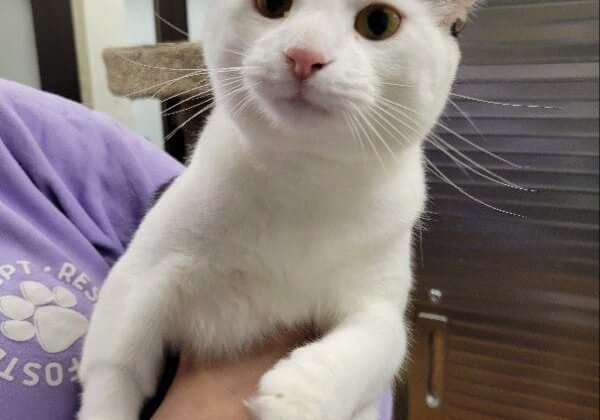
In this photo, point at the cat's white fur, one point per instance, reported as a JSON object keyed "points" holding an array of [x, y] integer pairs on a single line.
{"points": [[281, 218]]}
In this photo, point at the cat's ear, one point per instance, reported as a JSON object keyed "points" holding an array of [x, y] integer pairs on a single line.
{"points": [[454, 13]]}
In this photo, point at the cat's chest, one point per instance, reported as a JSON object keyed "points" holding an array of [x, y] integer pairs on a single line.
{"points": [[298, 237]]}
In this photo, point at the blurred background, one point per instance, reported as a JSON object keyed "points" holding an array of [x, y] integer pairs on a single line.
{"points": [[505, 314]]}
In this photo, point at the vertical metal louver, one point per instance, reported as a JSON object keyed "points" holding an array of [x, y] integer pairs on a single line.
{"points": [[507, 308]]}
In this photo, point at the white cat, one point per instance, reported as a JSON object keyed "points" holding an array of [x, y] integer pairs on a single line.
{"points": [[298, 206]]}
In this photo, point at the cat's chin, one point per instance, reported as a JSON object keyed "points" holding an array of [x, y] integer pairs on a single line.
{"points": [[299, 113], [300, 106]]}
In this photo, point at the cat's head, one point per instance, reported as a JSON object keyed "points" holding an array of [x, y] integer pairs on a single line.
{"points": [[318, 73]]}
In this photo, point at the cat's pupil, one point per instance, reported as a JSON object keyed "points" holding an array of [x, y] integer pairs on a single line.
{"points": [[275, 6], [378, 22]]}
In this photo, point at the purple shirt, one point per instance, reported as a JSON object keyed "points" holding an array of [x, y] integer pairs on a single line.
{"points": [[74, 186]]}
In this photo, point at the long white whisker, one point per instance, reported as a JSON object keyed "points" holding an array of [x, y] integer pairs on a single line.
{"points": [[445, 178], [186, 122], [440, 173], [396, 84], [177, 95], [235, 52], [350, 128], [202, 86], [166, 22], [139, 63], [459, 163], [401, 134], [190, 107], [356, 135], [399, 105], [246, 90], [191, 98], [165, 83], [485, 101], [467, 117], [368, 137], [492, 176], [478, 147], [463, 138], [382, 140], [197, 114]]}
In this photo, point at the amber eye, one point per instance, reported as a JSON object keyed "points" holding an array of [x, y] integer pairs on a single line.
{"points": [[378, 22], [273, 9]]}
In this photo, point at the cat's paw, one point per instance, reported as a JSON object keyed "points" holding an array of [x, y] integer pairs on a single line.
{"points": [[285, 394]]}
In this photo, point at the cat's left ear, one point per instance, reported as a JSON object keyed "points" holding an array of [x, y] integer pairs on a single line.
{"points": [[454, 14]]}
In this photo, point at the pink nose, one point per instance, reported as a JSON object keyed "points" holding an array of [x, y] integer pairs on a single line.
{"points": [[305, 62]]}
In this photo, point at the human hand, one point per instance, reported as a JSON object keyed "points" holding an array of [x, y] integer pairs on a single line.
{"points": [[217, 390]]}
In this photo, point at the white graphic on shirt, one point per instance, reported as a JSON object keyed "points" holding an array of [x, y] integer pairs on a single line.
{"points": [[45, 314]]}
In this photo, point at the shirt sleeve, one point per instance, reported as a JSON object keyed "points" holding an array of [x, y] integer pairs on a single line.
{"points": [[98, 174]]}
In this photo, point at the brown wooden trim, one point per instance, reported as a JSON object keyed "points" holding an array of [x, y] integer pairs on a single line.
{"points": [[55, 41]]}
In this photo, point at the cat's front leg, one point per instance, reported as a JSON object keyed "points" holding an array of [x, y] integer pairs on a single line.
{"points": [[123, 352], [336, 377]]}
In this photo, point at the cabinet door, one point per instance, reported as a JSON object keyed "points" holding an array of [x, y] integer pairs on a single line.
{"points": [[506, 307]]}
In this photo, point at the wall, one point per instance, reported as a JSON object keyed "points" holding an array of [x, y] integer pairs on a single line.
{"points": [[18, 55], [141, 30], [197, 10]]}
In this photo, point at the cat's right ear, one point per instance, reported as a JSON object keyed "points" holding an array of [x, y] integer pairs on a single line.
{"points": [[454, 13]]}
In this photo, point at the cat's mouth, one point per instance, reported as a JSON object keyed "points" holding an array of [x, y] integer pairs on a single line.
{"points": [[294, 104]]}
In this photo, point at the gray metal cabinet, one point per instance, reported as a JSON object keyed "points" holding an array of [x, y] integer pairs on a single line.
{"points": [[506, 308]]}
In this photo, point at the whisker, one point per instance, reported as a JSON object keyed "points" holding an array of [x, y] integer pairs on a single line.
{"points": [[139, 63], [467, 117], [396, 84], [168, 82], [235, 52], [459, 136], [246, 100], [445, 178], [250, 100], [191, 98], [206, 84], [485, 101], [368, 137], [482, 149], [399, 105], [382, 140], [166, 22], [186, 122], [188, 98], [350, 129], [166, 114], [177, 95], [355, 133], [401, 134], [202, 86], [494, 177]]}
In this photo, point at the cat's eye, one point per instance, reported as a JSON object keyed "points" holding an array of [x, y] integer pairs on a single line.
{"points": [[273, 9], [458, 27], [378, 22]]}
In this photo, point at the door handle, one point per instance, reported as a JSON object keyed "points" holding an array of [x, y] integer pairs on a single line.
{"points": [[435, 329]]}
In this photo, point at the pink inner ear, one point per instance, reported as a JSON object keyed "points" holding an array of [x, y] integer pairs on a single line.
{"points": [[456, 9]]}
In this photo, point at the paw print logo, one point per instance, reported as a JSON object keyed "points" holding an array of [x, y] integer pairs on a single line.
{"points": [[45, 314]]}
